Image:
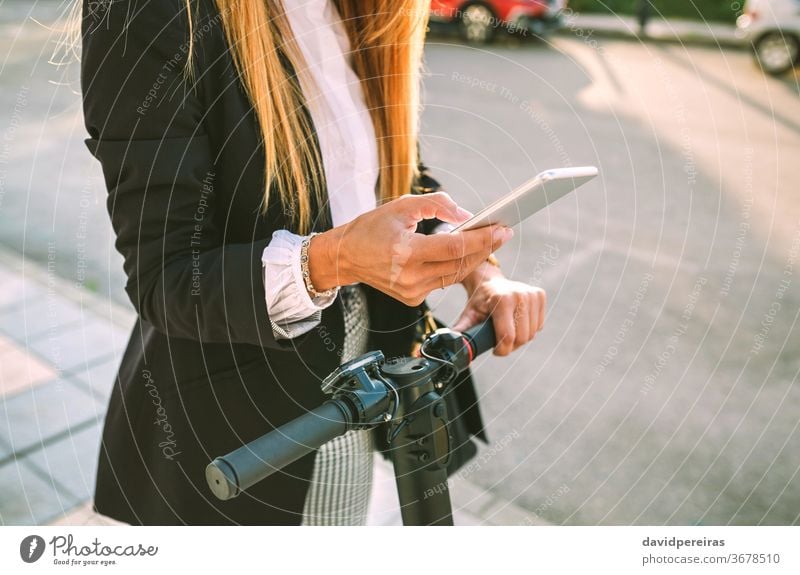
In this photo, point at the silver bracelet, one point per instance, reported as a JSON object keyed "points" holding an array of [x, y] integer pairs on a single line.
{"points": [[304, 268]]}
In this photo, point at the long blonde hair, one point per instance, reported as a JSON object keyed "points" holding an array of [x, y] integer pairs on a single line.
{"points": [[386, 38]]}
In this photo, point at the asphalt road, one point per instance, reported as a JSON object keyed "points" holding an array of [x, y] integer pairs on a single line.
{"points": [[663, 389]]}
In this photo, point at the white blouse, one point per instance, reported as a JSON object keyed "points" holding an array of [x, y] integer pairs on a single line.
{"points": [[349, 155]]}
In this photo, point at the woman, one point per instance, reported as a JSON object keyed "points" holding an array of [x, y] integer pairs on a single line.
{"points": [[264, 187]]}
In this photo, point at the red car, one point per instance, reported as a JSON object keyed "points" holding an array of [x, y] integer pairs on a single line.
{"points": [[481, 19]]}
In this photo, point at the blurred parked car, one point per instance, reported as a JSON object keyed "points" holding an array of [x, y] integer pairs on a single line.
{"points": [[773, 28], [480, 20]]}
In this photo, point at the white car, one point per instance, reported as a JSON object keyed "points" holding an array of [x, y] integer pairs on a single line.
{"points": [[772, 27]]}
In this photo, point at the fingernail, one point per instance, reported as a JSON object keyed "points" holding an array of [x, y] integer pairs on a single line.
{"points": [[462, 213], [503, 234]]}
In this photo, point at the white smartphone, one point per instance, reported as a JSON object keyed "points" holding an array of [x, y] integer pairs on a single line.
{"points": [[532, 196]]}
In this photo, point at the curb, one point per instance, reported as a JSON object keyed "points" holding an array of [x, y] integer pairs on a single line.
{"points": [[687, 40], [618, 31]]}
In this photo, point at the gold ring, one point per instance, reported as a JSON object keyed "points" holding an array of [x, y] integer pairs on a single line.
{"points": [[442, 282]]}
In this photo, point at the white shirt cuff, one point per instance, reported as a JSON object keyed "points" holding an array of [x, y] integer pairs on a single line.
{"points": [[292, 311]]}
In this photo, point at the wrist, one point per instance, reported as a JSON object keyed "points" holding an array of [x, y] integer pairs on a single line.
{"points": [[480, 274], [325, 267]]}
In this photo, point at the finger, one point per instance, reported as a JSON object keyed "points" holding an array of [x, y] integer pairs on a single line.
{"points": [[432, 280], [503, 321], [468, 318], [499, 236], [542, 308], [454, 246], [461, 267], [438, 282], [533, 315], [522, 326], [462, 324], [440, 205]]}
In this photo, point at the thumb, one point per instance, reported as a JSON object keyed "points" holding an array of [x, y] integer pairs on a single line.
{"points": [[466, 320], [433, 205]]}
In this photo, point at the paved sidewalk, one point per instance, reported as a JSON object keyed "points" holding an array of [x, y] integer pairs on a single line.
{"points": [[658, 30], [59, 351]]}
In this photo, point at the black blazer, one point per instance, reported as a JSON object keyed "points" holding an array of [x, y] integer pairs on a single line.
{"points": [[202, 373]]}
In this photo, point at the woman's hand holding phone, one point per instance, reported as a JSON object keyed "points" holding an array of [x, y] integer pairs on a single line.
{"points": [[380, 248]]}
